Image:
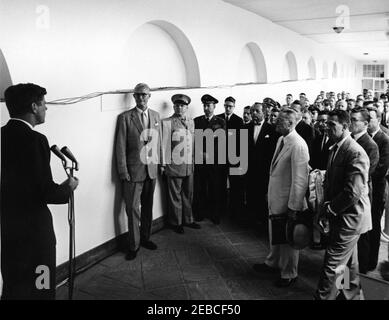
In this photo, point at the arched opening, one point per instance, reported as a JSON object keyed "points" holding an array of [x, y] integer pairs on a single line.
{"points": [[311, 69], [335, 70], [289, 72], [325, 70], [251, 65], [5, 76], [160, 54]]}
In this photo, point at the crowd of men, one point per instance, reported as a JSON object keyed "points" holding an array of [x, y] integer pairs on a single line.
{"points": [[345, 138], [254, 169]]}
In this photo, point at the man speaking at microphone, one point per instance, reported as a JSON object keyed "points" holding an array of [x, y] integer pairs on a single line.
{"points": [[28, 241]]}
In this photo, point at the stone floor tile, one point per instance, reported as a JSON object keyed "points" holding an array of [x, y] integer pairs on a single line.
{"points": [[199, 273], [209, 290], [168, 276]]}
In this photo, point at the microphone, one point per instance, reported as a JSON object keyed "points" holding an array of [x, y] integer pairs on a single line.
{"points": [[54, 149], [65, 150]]}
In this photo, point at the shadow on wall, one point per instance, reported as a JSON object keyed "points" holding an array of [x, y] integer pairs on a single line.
{"points": [[5, 76], [118, 198]]}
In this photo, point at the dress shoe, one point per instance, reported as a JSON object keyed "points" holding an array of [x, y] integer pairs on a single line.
{"points": [[193, 225], [148, 244], [178, 229], [264, 268], [131, 254], [284, 283]]}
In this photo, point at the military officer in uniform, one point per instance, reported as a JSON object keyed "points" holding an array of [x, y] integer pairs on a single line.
{"points": [[208, 179], [178, 163]]}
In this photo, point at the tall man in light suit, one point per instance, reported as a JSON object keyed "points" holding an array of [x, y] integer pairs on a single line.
{"points": [[288, 185], [137, 155], [346, 209], [178, 163]]}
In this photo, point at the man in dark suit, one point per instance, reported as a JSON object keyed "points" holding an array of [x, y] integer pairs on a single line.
{"points": [[321, 143], [359, 121], [138, 132], [346, 209], [304, 130], [262, 141], [246, 115], [27, 233], [385, 115], [209, 164], [234, 124], [379, 184]]}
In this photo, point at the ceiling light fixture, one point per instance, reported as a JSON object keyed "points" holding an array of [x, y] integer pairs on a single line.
{"points": [[338, 29]]}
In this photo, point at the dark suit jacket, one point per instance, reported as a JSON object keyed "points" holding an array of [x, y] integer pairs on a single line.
{"points": [[261, 153], [307, 133], [383, 120], [215, 124], [384, 129], [319, 154], [27, 234], [346, 187], [234, 123], [371, 149], [378, 178]]}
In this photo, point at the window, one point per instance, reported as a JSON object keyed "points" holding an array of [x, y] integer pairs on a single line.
{"points": [[373, 71], [373, 78]]}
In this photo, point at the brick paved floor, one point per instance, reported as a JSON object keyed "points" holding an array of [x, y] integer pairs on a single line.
{"points": [[212, 263]]}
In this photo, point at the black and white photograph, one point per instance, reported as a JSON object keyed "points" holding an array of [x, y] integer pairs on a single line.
{"points": [[194, 156]]}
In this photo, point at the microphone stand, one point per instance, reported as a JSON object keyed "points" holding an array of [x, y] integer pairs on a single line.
{"points": [[72, 241]]}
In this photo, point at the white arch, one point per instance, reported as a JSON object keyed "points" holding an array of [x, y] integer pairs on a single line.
{"points": [[325, 70], [5, 76], [252, 57], [311, 68], [290, 67], [334, 70]]}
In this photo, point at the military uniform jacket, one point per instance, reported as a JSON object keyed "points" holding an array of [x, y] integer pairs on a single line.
{"points": [[214, 124], [178, 146]]}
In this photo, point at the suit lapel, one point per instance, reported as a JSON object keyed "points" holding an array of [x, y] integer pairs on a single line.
{"points": [[135, 119], [285, 148]]}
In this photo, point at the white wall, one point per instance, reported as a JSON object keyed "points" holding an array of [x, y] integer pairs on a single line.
{"points": [[106, 45]]}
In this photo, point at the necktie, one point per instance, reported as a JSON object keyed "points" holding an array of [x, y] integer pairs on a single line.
{"points": [[323, 142], [257, 128], [279, 149], [333, 154], [144, 120]]}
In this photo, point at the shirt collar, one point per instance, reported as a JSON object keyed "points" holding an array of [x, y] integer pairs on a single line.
{"points": [[289, 136], [209, 117], [340, 142], [24, 121], [358, 135], [375, 132], [259, 124], [140, 111]]}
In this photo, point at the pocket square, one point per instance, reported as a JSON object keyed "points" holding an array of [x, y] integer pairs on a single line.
{"points": [[156, 124], [267, 136]]}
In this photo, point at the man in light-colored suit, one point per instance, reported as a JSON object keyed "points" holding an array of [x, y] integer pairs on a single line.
{"points": [[286, 194], [346, 210], [178, 163], [138, 144]]}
